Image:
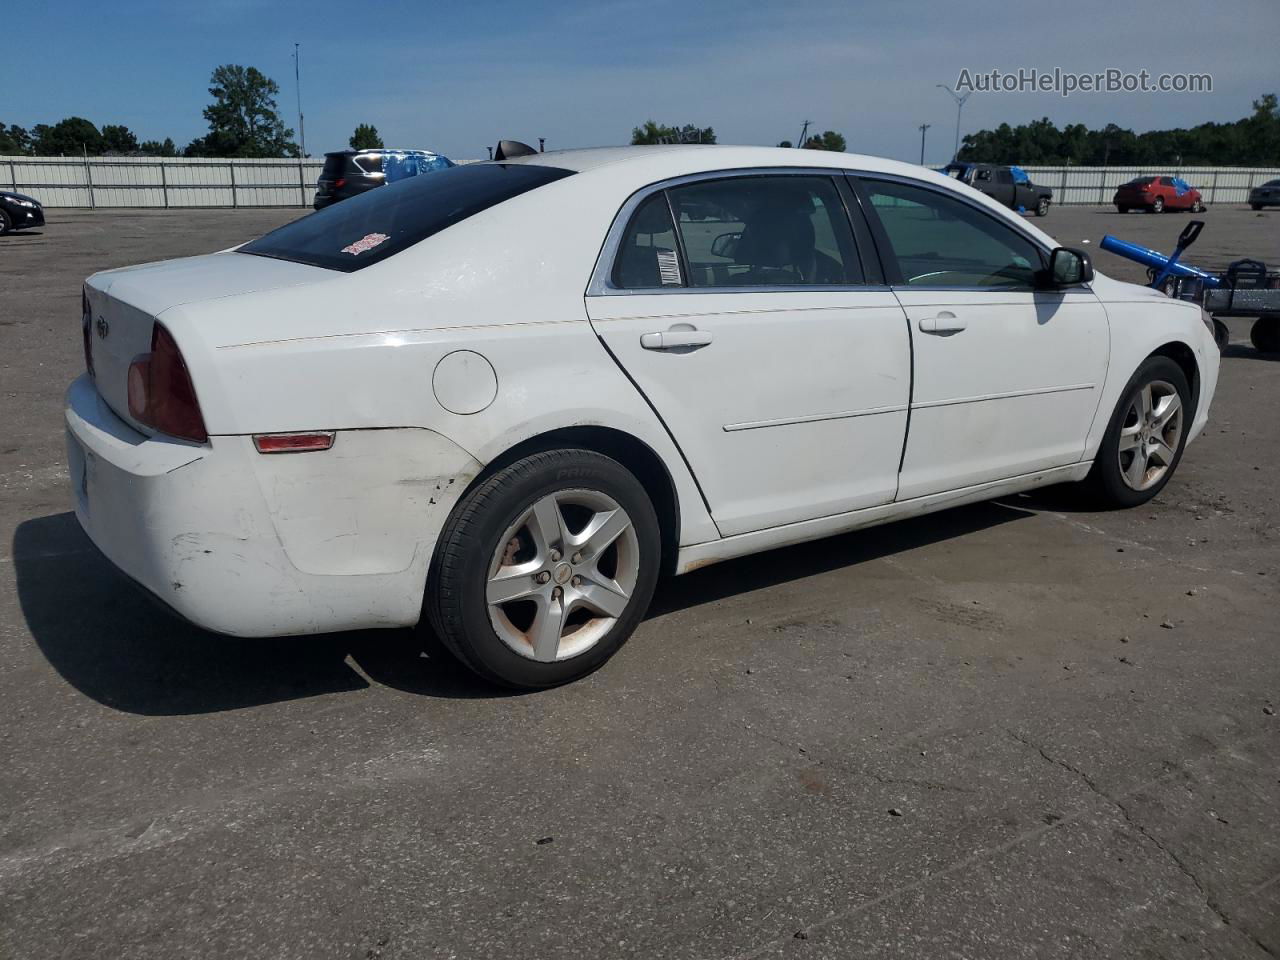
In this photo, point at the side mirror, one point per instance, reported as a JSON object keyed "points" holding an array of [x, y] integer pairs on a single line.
{"points": [[1067, 268], [725, 245]]}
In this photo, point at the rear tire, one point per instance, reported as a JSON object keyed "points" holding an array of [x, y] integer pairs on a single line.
{"points": [[1265, 334], [1157, 206], [1120, 209], [1255, 206], [1221, 335], [521, 592], [1042, 207], [1118, 478]]}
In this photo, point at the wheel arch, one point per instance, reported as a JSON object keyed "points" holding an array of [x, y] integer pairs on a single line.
{"points": [[1181, 354], [630, 451]]}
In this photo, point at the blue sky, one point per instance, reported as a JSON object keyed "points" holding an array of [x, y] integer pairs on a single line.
{"points": [[455, 77]]}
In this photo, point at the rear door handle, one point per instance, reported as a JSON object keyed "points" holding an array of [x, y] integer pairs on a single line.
{"points": [[944, 322], [673, 339]]}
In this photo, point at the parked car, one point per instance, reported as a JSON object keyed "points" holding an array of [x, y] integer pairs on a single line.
{"points": [[1008, 185], [348, 173], [19, 212], [407, 397], [1157, 194], [1265, 195]]}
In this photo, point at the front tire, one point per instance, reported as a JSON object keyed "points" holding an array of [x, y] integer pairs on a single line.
{"points": [[545, 568], [1145, 437], [1042, 207], [5, 223]]}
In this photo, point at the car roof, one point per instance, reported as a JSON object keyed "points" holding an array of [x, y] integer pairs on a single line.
{"points": [[639, 161]]}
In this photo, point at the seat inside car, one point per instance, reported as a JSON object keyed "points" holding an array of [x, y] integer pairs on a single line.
{"points": [[778, 244]]}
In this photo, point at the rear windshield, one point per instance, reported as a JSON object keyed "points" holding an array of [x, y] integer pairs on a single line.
{"points": [[335, 164], [380, 223], [1140, 181]]}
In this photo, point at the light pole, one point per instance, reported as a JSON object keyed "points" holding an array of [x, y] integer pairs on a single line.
{"points": [[923, 128], [959, 106], [297, 80]]}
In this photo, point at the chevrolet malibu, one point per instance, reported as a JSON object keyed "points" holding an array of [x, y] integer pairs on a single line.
{"points": [[509, 396]]}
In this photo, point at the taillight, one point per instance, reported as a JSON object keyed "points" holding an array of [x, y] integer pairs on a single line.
{"points": [[340, 182], [161, 394]]}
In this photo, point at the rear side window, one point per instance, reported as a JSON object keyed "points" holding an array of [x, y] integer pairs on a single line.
{"points": [[1004, 176], [379, 224], [335, 165], [648, 256], [765, 231], [1166, 182]]}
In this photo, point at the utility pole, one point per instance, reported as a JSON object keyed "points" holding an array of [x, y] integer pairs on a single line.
{"points": [[923, 128], [959, 106], [803, 133], [297, 80]]}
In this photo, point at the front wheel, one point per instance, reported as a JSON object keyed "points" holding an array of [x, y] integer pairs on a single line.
{"points": [[1145, 438], [544, 569], [1042, 207], [5, 223], [1120, 208]]}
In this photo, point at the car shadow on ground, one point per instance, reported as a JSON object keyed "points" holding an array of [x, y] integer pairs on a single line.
{"points": [[112, 642]]}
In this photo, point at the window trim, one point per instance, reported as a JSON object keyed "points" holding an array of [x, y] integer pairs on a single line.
{"points": [[601, 283], [893, 272]]}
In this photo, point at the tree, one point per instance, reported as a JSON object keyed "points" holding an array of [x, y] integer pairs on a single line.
{"points": [[154, 148], [652, 132], [243, 121], [829, 140], [117, 138], [1252, 140], [786, 143], [366, 138], [14, 140], [72, 136]]}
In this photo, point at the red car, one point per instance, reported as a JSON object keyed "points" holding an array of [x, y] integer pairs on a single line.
{"points": [[1158, 194]]}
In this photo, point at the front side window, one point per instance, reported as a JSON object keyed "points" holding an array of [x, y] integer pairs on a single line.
{"points": [[380, 223], [765, 231], [941, 241], [1004, 176]]}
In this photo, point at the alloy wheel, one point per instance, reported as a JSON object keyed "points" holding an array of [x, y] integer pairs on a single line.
{"points": [[1150, 435], [562, 574]]}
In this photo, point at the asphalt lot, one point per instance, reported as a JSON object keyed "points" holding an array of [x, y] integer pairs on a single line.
{"points": [[1014, 729]]}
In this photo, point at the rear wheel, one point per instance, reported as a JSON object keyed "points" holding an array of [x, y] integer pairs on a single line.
{"points": [[545, 569], [1256, 206], [1157, 205], [1120, 208], [1144, 440], [1221, 335], [1042, 207], [1265, 334]]}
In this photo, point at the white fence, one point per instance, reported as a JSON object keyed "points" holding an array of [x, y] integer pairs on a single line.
{"points": [[1097, 185], [162, 182], [180, 182]]}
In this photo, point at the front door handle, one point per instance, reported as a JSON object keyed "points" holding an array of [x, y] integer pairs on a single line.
{"points": [[945, 322], [674, 339]]}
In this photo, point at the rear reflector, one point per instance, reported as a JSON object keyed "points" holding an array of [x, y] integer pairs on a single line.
{"points": [[292, 442]]}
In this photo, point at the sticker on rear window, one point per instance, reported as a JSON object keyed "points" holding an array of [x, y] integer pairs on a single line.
{"points": [[365, 243]]}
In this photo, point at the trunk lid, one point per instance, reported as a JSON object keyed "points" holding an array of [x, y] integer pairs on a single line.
{"points": [[125, 304]]}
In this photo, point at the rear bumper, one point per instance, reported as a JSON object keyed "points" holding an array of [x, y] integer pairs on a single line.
{"points": [[251, 545]]}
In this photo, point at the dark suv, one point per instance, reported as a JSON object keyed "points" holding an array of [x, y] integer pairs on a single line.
{"points": [[349, 172], [1008, 185]]}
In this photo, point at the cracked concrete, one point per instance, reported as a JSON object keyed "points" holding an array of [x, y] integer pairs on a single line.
{"points": [[1072, 779]]}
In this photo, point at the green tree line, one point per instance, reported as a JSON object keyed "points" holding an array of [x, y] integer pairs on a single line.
{"points": [[1250, 141]]}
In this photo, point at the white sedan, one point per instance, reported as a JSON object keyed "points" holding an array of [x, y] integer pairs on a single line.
{"points": [[511, 395]]}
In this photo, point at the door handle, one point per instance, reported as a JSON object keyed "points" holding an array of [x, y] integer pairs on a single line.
{"points": [[674, 339], [945, 322]]}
